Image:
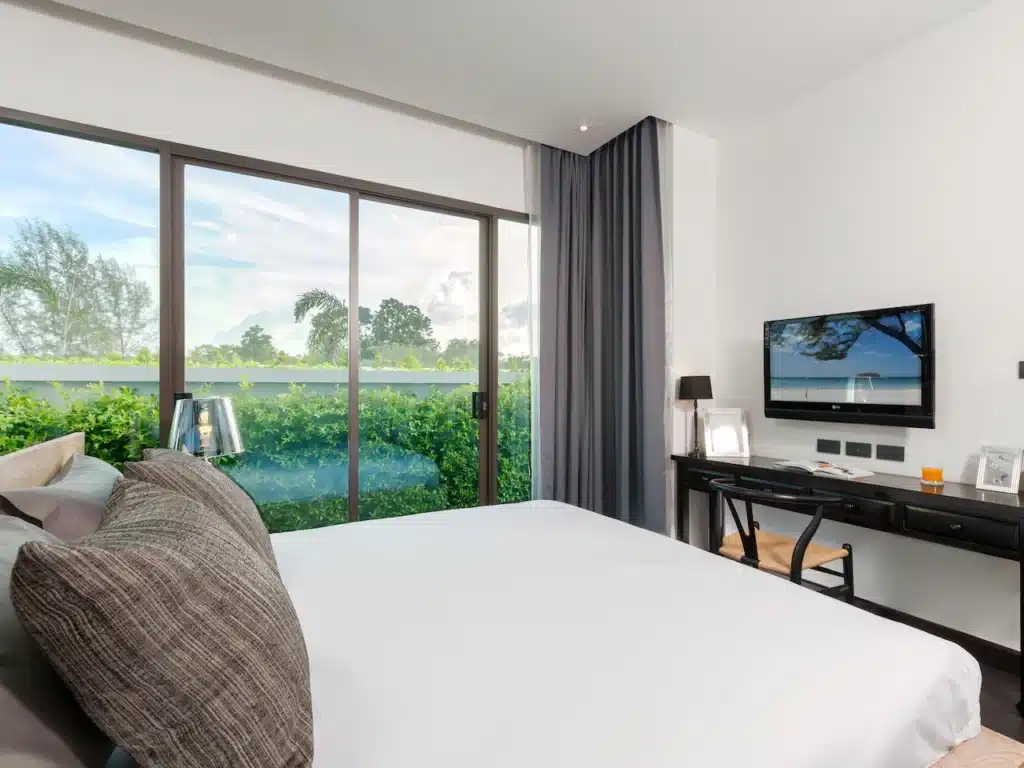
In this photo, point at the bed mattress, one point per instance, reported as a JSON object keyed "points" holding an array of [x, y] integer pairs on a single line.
{"points": [[543, 635]]}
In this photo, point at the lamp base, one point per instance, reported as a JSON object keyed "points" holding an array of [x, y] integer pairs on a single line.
{"points": [[697, 452]]}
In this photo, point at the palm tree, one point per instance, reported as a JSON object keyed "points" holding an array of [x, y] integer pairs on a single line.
{"points": [[22, 277], [328, 333]]}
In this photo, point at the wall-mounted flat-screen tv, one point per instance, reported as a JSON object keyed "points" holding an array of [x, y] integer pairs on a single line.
{"points": [[873, 367]]}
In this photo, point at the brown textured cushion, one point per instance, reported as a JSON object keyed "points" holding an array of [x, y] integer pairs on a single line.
{"points": [[71, 504], [200, 480], [164, 454], [176, 638], [40, 723]]}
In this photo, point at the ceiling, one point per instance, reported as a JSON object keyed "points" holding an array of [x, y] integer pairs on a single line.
{"points": [[539, 68]]}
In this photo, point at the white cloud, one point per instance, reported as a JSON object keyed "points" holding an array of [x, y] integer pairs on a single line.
{"points": [[13, 206], [253, 245], [456, 299], [140, 252], [423, 258], [515, 315], [69, 159], [119, 209]]}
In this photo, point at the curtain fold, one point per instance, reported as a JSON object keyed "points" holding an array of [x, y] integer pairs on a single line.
{"points": [[602, 385]]}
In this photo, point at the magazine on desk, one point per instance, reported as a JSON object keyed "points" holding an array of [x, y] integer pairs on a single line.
{"points": [[824, 469]]}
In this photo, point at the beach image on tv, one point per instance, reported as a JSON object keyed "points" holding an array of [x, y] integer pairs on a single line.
{"points": [[872, 359]]}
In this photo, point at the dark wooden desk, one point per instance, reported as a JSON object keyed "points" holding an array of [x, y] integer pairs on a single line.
{"points": [[956, 515]]}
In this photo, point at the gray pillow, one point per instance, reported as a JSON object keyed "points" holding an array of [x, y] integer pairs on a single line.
{"points": [[71, 505], [40, 723], [176, 637]]}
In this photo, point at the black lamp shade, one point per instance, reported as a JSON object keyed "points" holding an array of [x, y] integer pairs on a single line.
{"points": [[695, 388]]}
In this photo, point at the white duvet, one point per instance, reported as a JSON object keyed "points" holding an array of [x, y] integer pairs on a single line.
{"points": [[540, 635]]}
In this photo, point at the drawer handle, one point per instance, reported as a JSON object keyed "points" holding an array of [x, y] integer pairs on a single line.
{"points": [[956, 526]]}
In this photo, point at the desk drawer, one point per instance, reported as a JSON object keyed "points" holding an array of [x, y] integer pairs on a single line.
{"points": [[949, 525], [864, 512]]}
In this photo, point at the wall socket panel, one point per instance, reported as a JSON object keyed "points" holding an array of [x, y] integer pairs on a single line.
{"points": [[860, 450], [830, 446], [890, 452], [1020, 370]]}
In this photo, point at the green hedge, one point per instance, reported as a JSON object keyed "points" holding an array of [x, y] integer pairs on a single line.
{"points": [[416, 453]]}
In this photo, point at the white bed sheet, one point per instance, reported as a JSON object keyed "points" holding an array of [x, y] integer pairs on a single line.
{"points": [[540, 635]]}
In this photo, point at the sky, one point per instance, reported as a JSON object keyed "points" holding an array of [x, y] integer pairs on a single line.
{"points": [[253, 245], [873, 352]]}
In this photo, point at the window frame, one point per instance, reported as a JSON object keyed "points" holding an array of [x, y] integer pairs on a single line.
{"points": [[173, 159]]}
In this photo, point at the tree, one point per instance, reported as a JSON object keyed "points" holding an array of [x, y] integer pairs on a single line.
{"points": [[46, 281], [327, 340], [467, 348], [57, 300], [515, 363], [402, 324], [830, 339], [257, 345], [366, 331], [127, 304], [211, 354], [145, 357], [410, 363], [462, 354]]}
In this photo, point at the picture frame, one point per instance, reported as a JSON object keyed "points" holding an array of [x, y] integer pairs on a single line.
{"points": [[726, 435], [999, 469]]}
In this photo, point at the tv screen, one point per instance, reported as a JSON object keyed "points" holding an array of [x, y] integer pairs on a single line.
{"points": [[873, 367]]}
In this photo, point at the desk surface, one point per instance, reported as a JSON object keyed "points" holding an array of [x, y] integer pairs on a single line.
{"points": [[877, 485]]}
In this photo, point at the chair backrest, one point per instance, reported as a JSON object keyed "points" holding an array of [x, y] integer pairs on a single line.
{"points": [[729, 491]]}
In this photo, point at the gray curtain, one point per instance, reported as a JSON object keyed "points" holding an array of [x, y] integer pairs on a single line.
{"points": [[602, 328]]}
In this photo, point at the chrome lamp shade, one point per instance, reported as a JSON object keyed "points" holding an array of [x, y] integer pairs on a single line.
{"points": [[205, 427]]}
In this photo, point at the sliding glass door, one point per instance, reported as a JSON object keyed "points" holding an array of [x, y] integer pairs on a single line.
{"points": [[517, 346], [269, 290], [266, 267], [421, 405]]}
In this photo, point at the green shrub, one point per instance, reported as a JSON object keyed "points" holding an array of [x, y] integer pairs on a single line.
{"points": [[118, 424], [25, 419], [416, 454]]}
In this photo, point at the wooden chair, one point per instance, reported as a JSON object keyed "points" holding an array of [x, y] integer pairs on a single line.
{"points": [[780, 554]]}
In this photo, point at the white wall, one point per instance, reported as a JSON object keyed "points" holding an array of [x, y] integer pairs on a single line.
{"points": [[61, 69], [902, 183], [694, 171]]}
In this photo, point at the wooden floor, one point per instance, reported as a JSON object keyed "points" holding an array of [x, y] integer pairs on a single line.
{"points": [[1000, 691], [1003, 728], [989, 750]]}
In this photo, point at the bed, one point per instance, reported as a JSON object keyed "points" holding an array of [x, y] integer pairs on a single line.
{"points": [[540, 634]]}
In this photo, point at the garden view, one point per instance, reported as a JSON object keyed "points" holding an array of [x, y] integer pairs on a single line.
{"points": [[90, 324]]}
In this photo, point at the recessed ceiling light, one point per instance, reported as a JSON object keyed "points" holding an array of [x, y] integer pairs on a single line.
{"points": [[584, 128]]}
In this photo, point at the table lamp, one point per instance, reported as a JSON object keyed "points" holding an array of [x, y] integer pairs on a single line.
{"points": [[204, 427], [695, 388]]}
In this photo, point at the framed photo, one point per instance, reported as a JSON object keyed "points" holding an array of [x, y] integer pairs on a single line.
{"points": [[999, 469], [725, 433]]}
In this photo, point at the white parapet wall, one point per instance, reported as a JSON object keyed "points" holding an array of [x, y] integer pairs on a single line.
{"points": [[41, 378]]}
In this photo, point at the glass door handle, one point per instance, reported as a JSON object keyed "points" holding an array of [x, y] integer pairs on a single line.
{"points": [[479, 405]]}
